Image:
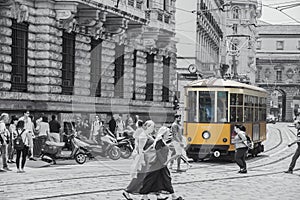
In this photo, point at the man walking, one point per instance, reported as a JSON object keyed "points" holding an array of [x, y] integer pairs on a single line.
{"points": [[95, 129], [177, 131], [54, 129], [4, 133], [297, 153], [29, 126]]}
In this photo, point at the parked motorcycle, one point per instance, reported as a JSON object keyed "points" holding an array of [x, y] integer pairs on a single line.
{"points": [[106, 145], [52, 151], [126, 145]]}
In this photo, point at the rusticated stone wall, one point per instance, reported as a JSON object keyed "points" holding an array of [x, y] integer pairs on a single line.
{"points": [[44, 70], [5, 50], [108, 57]]}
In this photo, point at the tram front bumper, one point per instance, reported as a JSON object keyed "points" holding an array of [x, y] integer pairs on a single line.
{"points": [[205, 151]]}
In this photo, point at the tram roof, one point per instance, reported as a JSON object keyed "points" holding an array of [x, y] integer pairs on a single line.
{"points": [[214, 82]]}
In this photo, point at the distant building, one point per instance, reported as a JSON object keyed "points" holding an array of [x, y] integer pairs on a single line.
{"points": [[241, 34], [210, 37], [278, 65], [88, 57], [202, 46]]}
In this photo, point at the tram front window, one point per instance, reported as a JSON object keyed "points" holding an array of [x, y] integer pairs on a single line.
{"points": [[191, 106], [206, 106], [222, 105]]}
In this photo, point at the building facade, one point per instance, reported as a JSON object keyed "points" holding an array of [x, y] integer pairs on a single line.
{"points": [[87, 57], [241, 37], [201, 44], [210, 29], [278, 64]]}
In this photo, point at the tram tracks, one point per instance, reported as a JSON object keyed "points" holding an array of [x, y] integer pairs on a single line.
{"points": [[127, 174], [230, 176], [120, 189]]}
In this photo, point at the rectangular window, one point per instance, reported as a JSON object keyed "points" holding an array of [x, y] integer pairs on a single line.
{"points": [[279, 45], [131, 3], [134, 74], [149, 78], [236, 107], [19, 56], [206, 106], [68, 63], [279, 75], [96, 62], [166, 79], [166, 5], [119, 71], [222, 107], [235, 28], [192, 106], [258, 45]]}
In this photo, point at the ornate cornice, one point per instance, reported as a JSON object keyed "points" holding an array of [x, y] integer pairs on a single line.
{"points": [[19, 12]]}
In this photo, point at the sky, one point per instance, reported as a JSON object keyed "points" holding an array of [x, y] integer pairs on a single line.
{"points": [[274, 16]]}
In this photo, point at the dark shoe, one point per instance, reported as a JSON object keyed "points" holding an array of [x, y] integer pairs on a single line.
{"points": [[7, 169], [162, 198], [125, 195], [244, 171], [180, 170], [289, 171], [31, 158], [179, 198], [1, 170]]}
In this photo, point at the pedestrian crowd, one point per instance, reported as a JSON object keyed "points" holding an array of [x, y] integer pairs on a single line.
{"points": [[24, 137]]}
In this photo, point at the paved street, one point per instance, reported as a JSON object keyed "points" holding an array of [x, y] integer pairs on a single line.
{"points": [[105, 179]]}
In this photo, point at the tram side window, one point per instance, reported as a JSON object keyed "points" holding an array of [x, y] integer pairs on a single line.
{"points": [[192, 106], [249, 109], [262, 109], [222, 103], [206, 106], [236, 107]]}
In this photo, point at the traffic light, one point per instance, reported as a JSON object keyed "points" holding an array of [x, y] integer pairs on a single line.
{"points": [[175, 103]]}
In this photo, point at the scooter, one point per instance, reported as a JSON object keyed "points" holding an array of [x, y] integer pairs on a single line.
{"points": [[52, 151], [106, 145], [126, 145]]}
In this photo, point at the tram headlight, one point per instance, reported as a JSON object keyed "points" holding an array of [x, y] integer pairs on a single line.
{"points": [[206, 135]]}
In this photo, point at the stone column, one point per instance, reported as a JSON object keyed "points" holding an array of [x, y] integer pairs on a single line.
{"points": [[157, 79], [141, 75], [82, 65], [107, 76], [128, 71], [173, 78], [5, 49], [44, 54]]}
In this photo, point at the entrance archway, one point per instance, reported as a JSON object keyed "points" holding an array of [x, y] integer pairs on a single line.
{"points": [[278, 104]]}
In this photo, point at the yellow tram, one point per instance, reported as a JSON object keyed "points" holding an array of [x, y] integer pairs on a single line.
{"points": [[212, 108]]}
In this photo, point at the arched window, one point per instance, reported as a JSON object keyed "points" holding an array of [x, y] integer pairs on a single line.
{"points": [[236, 12]]}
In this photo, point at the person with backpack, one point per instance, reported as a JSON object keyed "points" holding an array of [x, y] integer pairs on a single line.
{"points": [[22, 145], [241, 148]]}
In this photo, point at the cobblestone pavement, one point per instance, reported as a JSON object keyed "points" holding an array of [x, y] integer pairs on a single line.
{"points": [[105, 179]]}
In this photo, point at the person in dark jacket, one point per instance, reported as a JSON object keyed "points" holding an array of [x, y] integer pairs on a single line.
{"points": [[112, 124], [297, 153], [240, 147]]}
